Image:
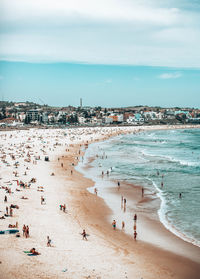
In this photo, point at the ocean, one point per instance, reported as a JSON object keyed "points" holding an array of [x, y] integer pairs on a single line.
{"points": [[165, 161]]}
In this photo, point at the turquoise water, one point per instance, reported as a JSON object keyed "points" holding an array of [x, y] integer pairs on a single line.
{"points": [[152, 157]]}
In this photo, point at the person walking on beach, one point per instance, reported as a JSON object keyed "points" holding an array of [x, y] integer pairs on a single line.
{"points": [[84, 235], [64, 208], [114, 224], [5, 199], [135, 217], [123, 225], [118, 184], [48, 242], [135, 235], [95, 191]]}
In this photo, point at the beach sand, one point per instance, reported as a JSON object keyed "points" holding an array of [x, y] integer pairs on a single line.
{"points": [[107, 253]]}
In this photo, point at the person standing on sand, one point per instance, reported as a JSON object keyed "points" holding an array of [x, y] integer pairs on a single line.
{"points": [[11, 211], [48, 242], [27, 231], [24, 230], [142, 192], [123, 225], [124, 204], [114, 224], [135, 217]]}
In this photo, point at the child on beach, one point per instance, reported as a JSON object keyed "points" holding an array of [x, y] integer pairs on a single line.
{"points": [[114, 224]]}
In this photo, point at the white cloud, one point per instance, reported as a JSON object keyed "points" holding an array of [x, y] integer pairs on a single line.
{"points": [[139, 32], [170, 75]]}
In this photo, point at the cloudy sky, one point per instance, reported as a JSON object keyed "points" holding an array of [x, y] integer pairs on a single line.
{"points": [[144, 50]]}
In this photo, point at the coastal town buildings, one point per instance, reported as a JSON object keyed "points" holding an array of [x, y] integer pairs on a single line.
{"points": [[25, 113]]}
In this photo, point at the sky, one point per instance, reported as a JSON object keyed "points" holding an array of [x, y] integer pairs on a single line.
{"points": [[109, 52]]}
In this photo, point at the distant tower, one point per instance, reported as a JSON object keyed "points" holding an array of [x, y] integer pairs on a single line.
{"points": [[81, 102]]}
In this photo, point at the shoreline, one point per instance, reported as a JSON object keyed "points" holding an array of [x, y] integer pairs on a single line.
{"points": [[106, 254], [157, 194], [151, 200]]}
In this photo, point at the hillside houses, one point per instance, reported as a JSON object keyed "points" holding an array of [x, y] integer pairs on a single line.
{"points": [[34, 114]]}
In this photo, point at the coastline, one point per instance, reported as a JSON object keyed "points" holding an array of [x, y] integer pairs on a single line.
{"points": [[153, 200], [106, 254]]}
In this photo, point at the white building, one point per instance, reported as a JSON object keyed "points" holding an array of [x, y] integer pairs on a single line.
{"points": [[81, 120]]}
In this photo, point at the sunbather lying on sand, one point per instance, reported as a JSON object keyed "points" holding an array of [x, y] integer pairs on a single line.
{"points": [[34, 252], [13, 226]]}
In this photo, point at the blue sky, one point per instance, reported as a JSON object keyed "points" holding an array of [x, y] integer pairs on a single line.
{"points": [[109, 52]]}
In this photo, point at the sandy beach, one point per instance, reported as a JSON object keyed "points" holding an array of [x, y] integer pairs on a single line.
{"points": [[107, 253]]}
